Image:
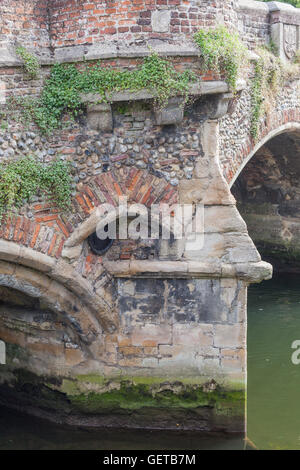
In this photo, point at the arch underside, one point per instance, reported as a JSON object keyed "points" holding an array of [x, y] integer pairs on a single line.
{"points": [[290, 127], [55, 284], [267, 191]]}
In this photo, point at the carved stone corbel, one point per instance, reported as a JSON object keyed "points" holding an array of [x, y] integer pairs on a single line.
{"points": [[221, 105], [172, 113]]}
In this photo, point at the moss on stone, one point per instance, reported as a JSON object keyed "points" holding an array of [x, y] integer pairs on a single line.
{"points": [[134, 401], [91, 378], [136, 396]]}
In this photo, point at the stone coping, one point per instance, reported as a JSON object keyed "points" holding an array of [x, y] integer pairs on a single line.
{"points": [[112, 50], [249, 272], [267, 7], [71, 54], [98, 51]]}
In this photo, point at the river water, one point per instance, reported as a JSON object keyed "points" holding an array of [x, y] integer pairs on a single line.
{"points": [[273, 379], [273, 391]]}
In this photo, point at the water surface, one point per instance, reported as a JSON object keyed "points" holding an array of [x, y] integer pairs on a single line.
{"points": [[273, 380]]}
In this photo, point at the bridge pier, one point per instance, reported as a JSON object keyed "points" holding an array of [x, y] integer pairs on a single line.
{"points": [[177, 346]]}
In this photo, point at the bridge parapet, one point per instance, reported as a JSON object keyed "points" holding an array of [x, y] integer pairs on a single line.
{"points": [[261, 22]]}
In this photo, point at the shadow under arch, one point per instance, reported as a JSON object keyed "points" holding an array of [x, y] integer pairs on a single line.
{"points": [[290, 127], [267, 191], [56, 281]]}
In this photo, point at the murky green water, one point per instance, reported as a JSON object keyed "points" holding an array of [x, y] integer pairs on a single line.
{"points": [[273, 380], [273, 391]]}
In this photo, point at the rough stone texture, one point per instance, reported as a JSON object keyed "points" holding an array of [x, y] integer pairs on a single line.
{"points": [[172, 113]]}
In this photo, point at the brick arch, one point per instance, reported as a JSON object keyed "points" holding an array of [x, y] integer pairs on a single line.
{"points": [[139, 186], [276, 124], [48, 230], [38, 241]]}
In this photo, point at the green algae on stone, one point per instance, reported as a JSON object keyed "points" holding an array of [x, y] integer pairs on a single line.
{"points": [[135, 397]]}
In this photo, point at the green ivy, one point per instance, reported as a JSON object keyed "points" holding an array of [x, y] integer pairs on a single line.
{"points": [[62, 91], [31, 63], [26, 177], [295, 3], [268, 76], [256, 97], [221, 51]]}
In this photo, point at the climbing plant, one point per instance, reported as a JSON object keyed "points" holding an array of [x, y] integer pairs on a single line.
{"points": [[62, 90], [295, 3], [222, 51], [26, 177], [31, 63], [269, 74]]}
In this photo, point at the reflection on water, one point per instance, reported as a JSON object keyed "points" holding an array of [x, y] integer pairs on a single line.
{"points": [[273, 391], [273, 381]]}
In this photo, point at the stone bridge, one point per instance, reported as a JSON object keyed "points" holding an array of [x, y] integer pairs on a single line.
{"points": [[151, 333]]}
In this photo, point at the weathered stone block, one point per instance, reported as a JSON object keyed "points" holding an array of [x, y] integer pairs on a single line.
{"points": [[220, 219], [212, 249], [193, 336], [158, 334], [221, 104], [229, 336], [240, 248], [160, 21], [285, 29], [233, 361]]}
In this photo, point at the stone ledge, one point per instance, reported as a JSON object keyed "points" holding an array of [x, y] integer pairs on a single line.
{"points": [[249, 272], [8, 57], [283, 7], [253, 5], [267, 7], [113, 50]]}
